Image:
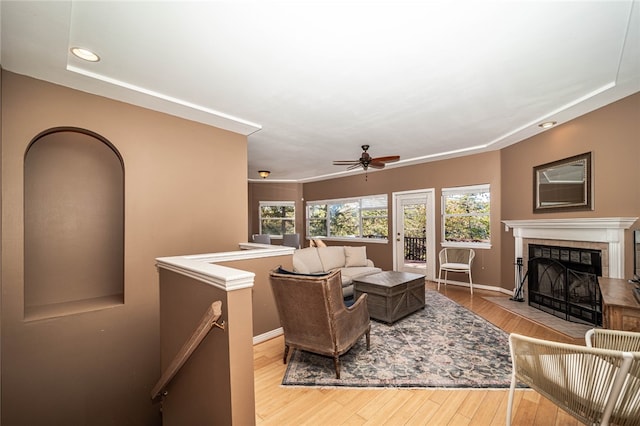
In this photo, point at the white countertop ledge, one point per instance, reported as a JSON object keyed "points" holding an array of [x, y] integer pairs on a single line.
{"points": [[204, 267]]}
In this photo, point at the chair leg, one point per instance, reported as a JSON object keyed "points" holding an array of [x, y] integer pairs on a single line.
{"points": [[368, 337], [336, 363], [470, 281], [286, 352], [512, 389], [439, 278]]}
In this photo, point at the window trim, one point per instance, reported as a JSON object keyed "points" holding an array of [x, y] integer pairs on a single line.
{"points": [[275, 203], [469, 189], [345, 201]]}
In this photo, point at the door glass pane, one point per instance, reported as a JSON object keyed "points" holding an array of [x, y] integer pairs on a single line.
{"points": [[415, 225]]}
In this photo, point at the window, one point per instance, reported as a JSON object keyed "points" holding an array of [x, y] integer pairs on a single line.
{"points": [[466, 216], [363, 217], [277, 217]]}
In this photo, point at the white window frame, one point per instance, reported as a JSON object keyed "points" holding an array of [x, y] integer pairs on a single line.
{"points": [[358, 200], [471, 189], [276, 204]]}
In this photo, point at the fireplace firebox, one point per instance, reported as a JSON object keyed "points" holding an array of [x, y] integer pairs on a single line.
{"points": [[563, 281]]}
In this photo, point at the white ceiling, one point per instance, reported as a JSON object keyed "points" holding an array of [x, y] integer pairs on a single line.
{"points": [[310, 82]]}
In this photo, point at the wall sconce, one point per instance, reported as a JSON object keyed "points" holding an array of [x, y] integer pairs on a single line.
{"points": [[264, 173]]}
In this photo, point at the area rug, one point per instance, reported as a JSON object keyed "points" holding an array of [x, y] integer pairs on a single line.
{"points": [[442, 346], [571, 329]]}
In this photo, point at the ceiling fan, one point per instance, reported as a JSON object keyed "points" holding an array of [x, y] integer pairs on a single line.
{"points": [[365, 161]]}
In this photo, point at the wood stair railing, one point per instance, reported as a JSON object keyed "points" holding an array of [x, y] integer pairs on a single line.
{"points": [[208, 321]]}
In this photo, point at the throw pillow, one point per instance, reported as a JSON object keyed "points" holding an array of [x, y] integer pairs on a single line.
{"points": [[319, 243], [355, 256], [332, 257], [307, 261]]}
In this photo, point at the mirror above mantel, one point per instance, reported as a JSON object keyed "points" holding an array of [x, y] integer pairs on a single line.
{"points": [[563, 185]]}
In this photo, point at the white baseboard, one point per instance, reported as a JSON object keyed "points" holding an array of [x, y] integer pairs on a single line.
{"points": [[267, 336], [481, 286]]}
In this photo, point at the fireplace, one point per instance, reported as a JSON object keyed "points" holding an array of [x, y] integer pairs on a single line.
{"points": [[585, 235], [563, 281]]}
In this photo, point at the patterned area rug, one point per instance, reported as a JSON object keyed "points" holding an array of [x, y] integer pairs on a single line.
{"points": [[442, 346]]}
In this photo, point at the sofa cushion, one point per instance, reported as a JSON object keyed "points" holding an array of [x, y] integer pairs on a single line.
{"points": [[348, 274], [355, 256], [332, 257], [307, 261]]}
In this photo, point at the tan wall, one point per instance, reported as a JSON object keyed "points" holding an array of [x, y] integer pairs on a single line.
{"points": [[98, 367], [215, 385], [265, 313], [274, 192], [469, 170], [72, 179], [612, 134]]}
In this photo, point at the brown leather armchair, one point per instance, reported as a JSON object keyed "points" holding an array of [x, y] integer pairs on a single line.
{"points": [[313, 314]]}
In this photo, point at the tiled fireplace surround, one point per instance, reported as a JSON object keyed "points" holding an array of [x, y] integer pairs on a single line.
{"points": [[605, 234]]}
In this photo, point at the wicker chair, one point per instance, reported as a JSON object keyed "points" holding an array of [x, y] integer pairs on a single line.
{"points": [[313, 314], [613, 339], [593, 384]]}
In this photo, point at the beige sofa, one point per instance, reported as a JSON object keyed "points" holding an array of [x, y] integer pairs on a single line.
{"points": [[351, 261]]}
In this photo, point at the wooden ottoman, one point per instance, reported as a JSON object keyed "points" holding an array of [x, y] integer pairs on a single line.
{"points": [[391, 295]]}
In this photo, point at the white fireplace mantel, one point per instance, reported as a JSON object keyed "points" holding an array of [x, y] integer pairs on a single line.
{"points": [[609, 230]]}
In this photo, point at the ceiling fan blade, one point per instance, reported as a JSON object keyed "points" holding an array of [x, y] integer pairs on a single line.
{"points": [[365, 161], [345, 163], [388, 159]]}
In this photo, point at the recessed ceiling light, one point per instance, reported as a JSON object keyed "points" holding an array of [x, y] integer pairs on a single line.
{"points": [[85, 54], [547, 124]]}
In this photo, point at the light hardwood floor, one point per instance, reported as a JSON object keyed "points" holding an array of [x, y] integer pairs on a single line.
{"points": [[278, 405]]}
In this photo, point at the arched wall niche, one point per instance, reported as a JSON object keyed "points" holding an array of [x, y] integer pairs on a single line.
{"points": [[73, 224]]}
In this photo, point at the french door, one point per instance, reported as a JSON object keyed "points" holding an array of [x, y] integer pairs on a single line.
{"points": [[414, 232]]}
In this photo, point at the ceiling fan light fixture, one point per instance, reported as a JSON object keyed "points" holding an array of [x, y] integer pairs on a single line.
{"points": [[264, 173], [85, 54], [547, 124], [366, 161]]}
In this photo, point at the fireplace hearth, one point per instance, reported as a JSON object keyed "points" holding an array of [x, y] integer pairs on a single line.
{"points": [[563, 281]]}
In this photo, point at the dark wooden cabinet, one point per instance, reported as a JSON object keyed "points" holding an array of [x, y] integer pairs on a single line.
{"points": [[620, 309]]}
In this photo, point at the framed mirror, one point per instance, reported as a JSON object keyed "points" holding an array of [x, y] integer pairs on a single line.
{"points": [[563, 185]]}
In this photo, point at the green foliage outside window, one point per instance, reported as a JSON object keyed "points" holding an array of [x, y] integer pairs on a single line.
{"points": [[415, 220], [277, 218], [364, 217], [343, 220], [374, 223], [317, 216], [466, 215]]}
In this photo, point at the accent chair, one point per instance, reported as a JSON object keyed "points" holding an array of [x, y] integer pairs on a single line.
{"points": [[313, 314], [455, 260]]}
